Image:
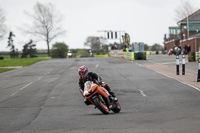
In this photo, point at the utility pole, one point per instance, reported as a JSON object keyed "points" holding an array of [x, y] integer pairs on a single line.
{"points": [[188, 27]]}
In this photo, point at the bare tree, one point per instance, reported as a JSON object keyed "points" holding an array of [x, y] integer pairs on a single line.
{"points": [[184, 10], [45, 23], [2, 23]]}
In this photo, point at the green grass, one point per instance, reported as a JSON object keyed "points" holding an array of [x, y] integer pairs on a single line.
{"points": [[106, 55], [21, 61], [5, 69], [42, 55], [7, 56]]}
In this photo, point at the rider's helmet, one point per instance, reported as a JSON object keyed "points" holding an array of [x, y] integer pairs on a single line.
{"points": [[83, 71]]}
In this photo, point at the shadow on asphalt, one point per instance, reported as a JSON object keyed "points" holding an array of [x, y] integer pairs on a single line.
{"points": [[100, 114]]}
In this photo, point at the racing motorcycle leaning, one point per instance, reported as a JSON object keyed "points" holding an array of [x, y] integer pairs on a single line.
{"points": [[100, 98]]}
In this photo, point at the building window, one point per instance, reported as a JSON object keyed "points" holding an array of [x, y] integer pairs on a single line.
{"points": [[174, 31], [178, 31], [194, 27]]}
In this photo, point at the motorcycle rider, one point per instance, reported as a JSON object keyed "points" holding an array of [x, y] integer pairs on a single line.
{"points": [[85, 75]]}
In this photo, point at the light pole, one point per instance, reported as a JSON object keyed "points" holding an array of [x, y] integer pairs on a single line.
{"points": [[188, 27]]}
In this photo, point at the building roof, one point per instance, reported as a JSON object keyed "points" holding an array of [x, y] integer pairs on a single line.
{"points": [[196, 35], [177, 27], [193, 17]]}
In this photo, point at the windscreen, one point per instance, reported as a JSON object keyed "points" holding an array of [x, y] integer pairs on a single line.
{"points": [[87, 84]]}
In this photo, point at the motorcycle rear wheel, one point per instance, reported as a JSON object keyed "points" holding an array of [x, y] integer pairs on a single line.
{"points": [[101, 105]]}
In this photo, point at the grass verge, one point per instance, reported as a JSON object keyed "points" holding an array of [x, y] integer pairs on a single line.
{"points": [[19, 62], [7, 56], [5, 69]]}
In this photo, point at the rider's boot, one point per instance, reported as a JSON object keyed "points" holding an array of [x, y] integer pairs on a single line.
{"points": [[114, 96]]}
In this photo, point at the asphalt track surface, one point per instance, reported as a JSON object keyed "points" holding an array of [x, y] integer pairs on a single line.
{"points": [[44, 98]]}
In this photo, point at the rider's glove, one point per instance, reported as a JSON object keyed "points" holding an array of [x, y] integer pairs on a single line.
{"points": [[99, 81]]}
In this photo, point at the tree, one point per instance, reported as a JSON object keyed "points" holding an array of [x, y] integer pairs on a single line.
{"points": [[59, 50], [29, 49], [105, 47], [156, 47], [95, 43], [45, 23], [2, 23], [184, 10], [146, 47], [13, 52]]}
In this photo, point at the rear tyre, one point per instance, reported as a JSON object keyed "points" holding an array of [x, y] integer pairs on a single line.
{"points": [[101, 105], [117, 107]]}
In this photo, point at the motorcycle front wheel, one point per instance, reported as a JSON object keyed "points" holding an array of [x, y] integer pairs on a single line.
{"points": [[101, 104], [117, 107]]}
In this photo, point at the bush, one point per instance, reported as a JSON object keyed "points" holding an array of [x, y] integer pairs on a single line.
{"points": [[83, 52], [99, 52], [156, 47], [59, 50]]}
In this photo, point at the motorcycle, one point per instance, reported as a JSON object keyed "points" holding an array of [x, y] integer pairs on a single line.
{"points": [[100, 98]]}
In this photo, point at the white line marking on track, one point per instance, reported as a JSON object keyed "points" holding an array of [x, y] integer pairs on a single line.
{"points": [[180, 81], [14, 93], [25, 86], [46, 73], [151, 61], [40, 78], [97, 66], [164, 75], [139, 64], [142, 93], [22, 88], [31, 83]]}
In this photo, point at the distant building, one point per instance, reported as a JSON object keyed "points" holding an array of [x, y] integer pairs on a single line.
{"points": [[186, 33]]}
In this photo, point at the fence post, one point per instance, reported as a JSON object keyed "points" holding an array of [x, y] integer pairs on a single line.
{"points": [[198, 75], [177, 64], [183, 64]]}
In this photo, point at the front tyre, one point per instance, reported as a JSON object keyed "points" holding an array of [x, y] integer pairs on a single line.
{"points": [[101, 104], [117, 107]]}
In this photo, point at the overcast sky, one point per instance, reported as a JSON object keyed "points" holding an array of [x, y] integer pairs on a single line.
{"points": [[144, 20]]}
